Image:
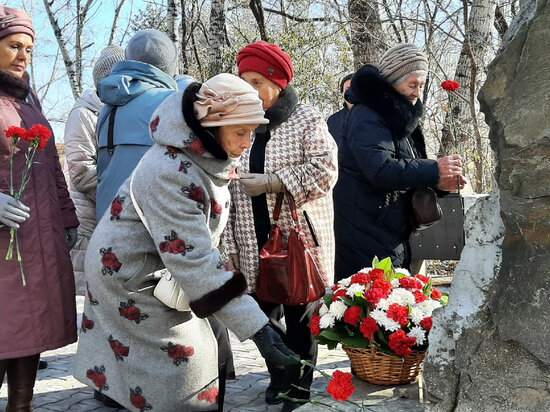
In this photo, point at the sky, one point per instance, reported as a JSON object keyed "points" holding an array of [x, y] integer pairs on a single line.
{"points": [[58, 100]]}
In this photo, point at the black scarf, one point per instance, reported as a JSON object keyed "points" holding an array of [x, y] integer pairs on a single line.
{"points": [[15, 86], [277, 114]]}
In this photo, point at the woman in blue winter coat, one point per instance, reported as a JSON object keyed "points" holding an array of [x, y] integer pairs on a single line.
{"points": [[382, 159]]}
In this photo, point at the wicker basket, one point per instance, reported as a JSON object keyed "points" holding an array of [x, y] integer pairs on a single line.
{"points": [[380, 368]]}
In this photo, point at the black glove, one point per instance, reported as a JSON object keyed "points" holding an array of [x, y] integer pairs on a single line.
{"points": [[72, 236], [273, 349]]}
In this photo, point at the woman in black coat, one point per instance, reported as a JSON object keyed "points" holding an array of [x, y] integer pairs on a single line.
{"points": [[382, 158]]}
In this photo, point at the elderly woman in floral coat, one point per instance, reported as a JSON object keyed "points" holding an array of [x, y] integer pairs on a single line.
{"points": [[294, 153], [132, 347]]}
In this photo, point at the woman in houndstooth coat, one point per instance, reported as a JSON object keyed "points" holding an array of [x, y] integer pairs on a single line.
{"points": [[293, 153]]}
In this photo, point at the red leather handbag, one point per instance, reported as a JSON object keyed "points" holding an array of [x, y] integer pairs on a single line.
{"points": [[288, 272]]}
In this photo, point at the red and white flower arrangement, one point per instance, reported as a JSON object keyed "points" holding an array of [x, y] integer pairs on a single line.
{"points": [[37, 136], [379, 307]]}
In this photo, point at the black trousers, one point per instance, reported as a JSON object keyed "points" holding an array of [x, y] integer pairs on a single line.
{"points": [[297, 336]]}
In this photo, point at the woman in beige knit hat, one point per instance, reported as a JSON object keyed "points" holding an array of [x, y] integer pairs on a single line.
{"points": [[382, 159], [170, 214]]}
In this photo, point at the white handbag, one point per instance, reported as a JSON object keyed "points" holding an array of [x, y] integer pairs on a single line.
{"points": [[167, 290]]}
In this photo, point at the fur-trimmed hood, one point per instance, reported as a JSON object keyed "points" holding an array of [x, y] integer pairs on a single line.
{"points": [[370, 88]]}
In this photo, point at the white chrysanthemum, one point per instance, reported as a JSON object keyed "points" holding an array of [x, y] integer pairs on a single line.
{"points": [[428, 307], [326, 321], [403, 271], [395, 282], [417, 315], [418, 333], [355, 288], [383, 304], [323, 310], [402, 296], [344, 283], [337, 309], [382, 319]]}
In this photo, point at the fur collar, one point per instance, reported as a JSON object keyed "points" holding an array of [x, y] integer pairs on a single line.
{"points": [[15, 86], [282, 109], [370, 88]]}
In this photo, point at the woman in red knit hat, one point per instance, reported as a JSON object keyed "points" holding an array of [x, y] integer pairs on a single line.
{"points": [[294, 153]]}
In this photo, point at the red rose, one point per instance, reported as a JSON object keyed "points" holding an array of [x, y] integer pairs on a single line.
{"points": [[399, 313], [116, 267], [216, 209], [164, 247], [436, 294], [90, 374], [118, 348], [154, 123], [383, 285], [450, 85], [197, 147], [99, 380], [188, 351], [352, 315], [410, 283], [87, 323], [116, 208], [210, 395], [340, 386], [361, 278], [373, 296], [132, 313], [176, 352], [400, 343], [419, 296], [368, 327], [315, 325], [197, 194], [376, 274], [109, 260], [172, 149], [177, 246], [341, 292], [427, 323], [138, 401]]}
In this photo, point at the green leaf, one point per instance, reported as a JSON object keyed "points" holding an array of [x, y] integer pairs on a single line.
{"points": [[330, 334], [375, 262], [328, 299], [385, 265], [444, 299], [356, 341], [428, 288]]}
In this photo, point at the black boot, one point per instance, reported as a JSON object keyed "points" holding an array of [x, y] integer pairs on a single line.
{"points": [[42, 364], [21, 377], [276, 385]]}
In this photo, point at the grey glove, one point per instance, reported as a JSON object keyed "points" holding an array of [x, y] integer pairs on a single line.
{"points": [[255, 184], [72, 236], [12, 212], [273, 349]]}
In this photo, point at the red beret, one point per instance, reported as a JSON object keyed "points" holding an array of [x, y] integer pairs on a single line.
{"points": [[268, 60]]}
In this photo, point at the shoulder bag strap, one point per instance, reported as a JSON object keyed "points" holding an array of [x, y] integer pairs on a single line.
{"points": [[110, 140], [136, 206], [278, 206]]}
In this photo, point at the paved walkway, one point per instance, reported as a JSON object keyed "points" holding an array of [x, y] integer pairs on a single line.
{"points": [[57, 390]]}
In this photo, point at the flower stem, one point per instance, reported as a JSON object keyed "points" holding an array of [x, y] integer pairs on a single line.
{"points": [[9, 255], [19, 259]]}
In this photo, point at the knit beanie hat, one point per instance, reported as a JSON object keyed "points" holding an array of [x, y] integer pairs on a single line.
{"points": [[401, 60], [109, 56], [155, 48], [14, 21], [226, 99], [268, 60]]}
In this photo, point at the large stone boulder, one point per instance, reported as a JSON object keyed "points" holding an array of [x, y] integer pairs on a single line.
{"points": [[490, 348]]}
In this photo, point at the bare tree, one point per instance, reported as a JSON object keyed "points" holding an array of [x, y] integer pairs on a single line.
{"points": [[258, 12], [366, 31], [172, 21], [217, 35], [114, 26]]}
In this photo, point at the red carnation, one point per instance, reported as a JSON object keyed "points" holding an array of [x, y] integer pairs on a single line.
{"points": [[315, 325], [352, 315], [15, 131], [210, 395], [450, 85], [436, 294], [400, 343], [361, 278], [410, 283], [368, 327], [39, 131], [376, 274], [374, 296], [423, 278], [341, 292], [399, 313], [340, 386], [384, 285], [427, 323], [419, 296]]}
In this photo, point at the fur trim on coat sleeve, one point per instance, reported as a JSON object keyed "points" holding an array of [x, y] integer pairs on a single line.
{"points": [[217, 299]]}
